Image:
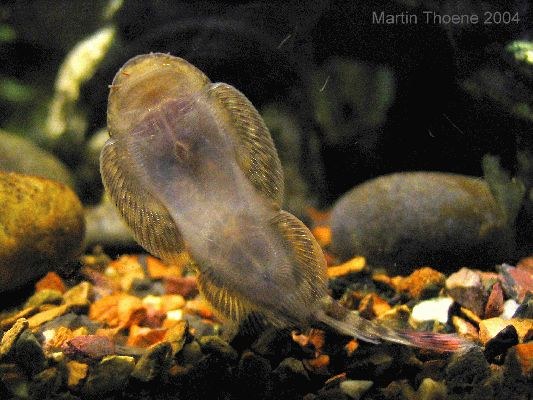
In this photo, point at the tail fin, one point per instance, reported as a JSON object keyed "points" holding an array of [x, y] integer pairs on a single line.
{"points": [[370, 331]]}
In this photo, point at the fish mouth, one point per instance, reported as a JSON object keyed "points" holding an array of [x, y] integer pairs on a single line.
{"points": [[144, 83]]}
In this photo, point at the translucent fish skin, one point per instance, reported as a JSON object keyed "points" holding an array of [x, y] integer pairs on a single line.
{"points": [[188, 163], [191, 165], [182, 152]]}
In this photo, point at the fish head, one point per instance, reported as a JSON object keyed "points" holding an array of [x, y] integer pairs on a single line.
{"points": [[144, 83]]}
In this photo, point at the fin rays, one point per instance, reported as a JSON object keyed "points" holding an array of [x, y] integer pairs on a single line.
{"points": [[310, 268], [149, 220], [256, 153], [370, 331], [224, 301]]}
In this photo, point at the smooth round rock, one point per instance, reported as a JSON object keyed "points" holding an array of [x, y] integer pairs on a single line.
{"points": [[410, 219], [41, 227], [105, 226], [23, 156]]}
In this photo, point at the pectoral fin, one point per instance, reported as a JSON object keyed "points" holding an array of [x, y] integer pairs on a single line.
{"points": [[229, 304], [309, 264], [256, 153], [150, 221]]}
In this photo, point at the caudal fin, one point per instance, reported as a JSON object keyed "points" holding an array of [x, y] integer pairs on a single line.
{"points": [[370, 331]]}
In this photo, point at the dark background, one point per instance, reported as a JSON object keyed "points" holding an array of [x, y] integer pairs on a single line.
{"points": [[454, 87]]}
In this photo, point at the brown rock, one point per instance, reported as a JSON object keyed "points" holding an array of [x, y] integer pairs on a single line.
{"points": [[201, 307], [154, 363], [318, 365], [103, 285], [383, 279], [62, 335], [45, 296], [163, 304], [47, 315], [431, 390], [350, 348], [182, 285], [466, 289], [141, 336], [465, 328], [317, 338], [8, 322], [516, 282], [470, 315], [105, 310], [176, 336], [397, 317], [131, 311], [118, 310], [13, 378], [494, 306], [77, 371], [158, 270], [372, 306], [313, 338], [51, 281], [422, 283], [300, 338], [524, 354], [421, 218], [21, 155], [526, 264], [128, 268], [356, 264], [322, 234], [79, 295], [45, 383], [109, 376], [488, 278], [488, 328], [42, 227]]}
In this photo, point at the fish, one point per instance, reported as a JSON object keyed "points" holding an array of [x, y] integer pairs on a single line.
{"points": [[191, 166]]}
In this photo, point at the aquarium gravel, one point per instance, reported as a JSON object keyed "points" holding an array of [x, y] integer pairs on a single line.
{"points": [[135, 328]]}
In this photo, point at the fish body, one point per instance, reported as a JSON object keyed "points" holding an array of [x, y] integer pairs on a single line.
{"points": [[191, 165]]}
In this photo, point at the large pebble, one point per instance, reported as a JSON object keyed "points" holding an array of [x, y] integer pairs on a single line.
{"points": [[489, 328], [290, 378], [106, 227], [465, 287], [411, 219], [517, 373], [41, 227], [355, 389], [154, 362], [516, 282], [110, 376], [23, 156], [524, 355], [465, 374], [436, 309]]}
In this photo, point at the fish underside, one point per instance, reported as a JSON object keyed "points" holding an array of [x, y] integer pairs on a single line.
{"points": [[191, 166]]}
